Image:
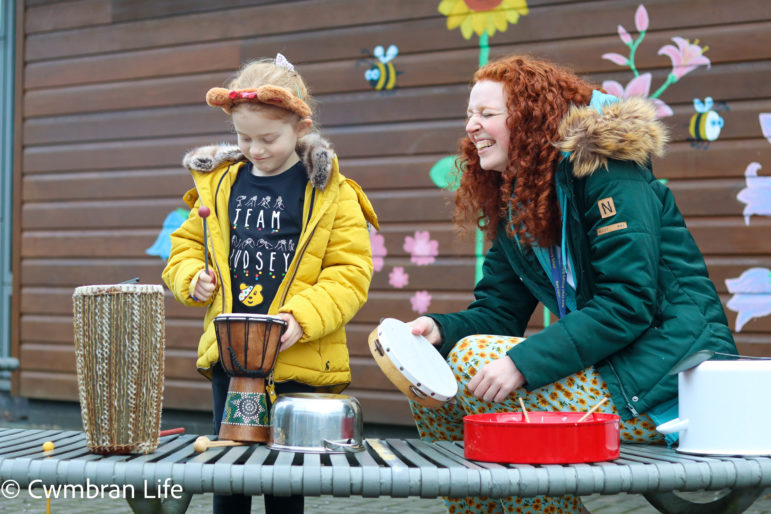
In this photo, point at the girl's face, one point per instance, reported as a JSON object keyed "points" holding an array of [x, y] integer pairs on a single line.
{"points": [[486, 124], [267, 136]]}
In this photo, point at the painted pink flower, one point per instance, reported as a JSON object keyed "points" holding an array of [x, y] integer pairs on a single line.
{"points": [[624, 35], [616, 58], [662, 109], [378, 250], [422, 248], [398, 278], [641, 19], [638, 86], [686, 57], [420, 302]]}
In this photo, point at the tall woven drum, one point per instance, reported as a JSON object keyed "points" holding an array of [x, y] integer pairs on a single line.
{"points": [[119, 348]]}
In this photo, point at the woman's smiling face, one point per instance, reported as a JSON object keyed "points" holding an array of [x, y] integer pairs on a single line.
{"points": [[486, 124]]}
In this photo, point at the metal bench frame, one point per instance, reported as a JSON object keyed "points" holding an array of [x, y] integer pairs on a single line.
{"points": [[388, 467]]}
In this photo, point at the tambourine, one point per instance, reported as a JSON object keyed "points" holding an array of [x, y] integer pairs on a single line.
{"points": [[412, 364]]}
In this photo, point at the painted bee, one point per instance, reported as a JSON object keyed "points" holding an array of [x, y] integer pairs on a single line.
{"points": [[382, 74], [705, 124]]}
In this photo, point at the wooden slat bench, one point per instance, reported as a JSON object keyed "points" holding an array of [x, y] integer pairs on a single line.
{"points": [[388, 467]]}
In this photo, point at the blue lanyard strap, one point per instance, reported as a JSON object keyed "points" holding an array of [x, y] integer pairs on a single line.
{"points": [[553, 262], [558, 277]]}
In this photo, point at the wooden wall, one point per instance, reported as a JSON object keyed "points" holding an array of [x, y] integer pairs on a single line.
{"points": [[111, 96]]}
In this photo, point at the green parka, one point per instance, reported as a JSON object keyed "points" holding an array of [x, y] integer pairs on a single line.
{"points": [[644, 299]]}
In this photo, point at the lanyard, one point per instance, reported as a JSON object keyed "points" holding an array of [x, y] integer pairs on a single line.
{"points": [[558, 276]]}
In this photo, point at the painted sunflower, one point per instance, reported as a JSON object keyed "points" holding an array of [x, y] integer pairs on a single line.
{"points": [[482, 16]]}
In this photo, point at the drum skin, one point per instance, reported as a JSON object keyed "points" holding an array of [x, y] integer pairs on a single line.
{"points": [[395, 376]]}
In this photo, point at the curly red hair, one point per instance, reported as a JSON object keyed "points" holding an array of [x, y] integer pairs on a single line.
{"points": [[539, 95]]}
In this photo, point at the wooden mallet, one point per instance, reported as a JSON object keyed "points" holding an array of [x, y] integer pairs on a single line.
{"points": [[204, 212], [203, 443]]}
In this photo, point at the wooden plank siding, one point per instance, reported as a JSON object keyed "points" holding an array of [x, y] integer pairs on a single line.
{"points": [[111, 96]]}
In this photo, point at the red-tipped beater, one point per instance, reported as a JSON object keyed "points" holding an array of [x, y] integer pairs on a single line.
{"points": [[172, 431], [204, 212]]}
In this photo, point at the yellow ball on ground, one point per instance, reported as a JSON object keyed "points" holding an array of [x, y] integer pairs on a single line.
{"points": [[48, 446]]}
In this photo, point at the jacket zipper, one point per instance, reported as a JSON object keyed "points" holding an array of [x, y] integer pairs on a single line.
{"points": [[582, 288], [214, 258], [299, 256], [623, 391]]}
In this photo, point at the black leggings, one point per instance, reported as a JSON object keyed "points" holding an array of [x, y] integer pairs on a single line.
{"points": [[239, 503]]}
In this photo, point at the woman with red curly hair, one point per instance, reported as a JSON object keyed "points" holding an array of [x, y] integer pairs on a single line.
{"points": [[558, 175]]}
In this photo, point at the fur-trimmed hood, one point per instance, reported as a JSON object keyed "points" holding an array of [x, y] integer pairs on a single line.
{"points": [[315, 152], [626, 130]]}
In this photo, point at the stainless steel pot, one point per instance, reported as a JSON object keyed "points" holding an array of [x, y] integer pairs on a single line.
{"points": [[316, 423]]}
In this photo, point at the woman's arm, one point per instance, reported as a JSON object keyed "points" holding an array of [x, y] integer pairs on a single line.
{"points": [[503, 304]]}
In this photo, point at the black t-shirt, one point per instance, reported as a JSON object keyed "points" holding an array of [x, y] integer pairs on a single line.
{"points": [[265, 225]]}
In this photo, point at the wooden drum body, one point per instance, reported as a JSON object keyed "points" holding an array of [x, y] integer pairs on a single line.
{"points": [[119, 350], [412, 364], [248, 347]]}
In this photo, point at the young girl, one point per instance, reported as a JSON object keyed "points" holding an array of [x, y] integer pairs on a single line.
{"points": [[287, 236]]}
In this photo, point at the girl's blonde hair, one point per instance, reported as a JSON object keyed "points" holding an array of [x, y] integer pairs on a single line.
{"points": [[265, 72]]}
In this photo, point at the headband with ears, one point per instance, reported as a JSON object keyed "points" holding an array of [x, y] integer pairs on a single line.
{"points": [[270, 95]]}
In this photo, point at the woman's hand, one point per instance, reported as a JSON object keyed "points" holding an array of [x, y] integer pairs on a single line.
{"points": [[426, 327], [204, 286], [496, 380], [293, 331]]}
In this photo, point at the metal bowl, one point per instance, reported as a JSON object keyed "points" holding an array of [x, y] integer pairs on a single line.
{"points": [[316, 423]]}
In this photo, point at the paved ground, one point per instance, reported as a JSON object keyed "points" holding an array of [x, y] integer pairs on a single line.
{"points": [[51, 416], [201, 504]]}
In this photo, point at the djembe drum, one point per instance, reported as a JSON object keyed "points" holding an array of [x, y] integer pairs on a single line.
{"points": [[248, 347], [119, 351]]}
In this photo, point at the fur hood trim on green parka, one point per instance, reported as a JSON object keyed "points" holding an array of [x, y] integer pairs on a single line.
{"points": [[315, 152], [627, 130]]}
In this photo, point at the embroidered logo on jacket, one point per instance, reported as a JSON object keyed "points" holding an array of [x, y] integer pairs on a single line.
{"points": [[611, 228], [607, 207]]}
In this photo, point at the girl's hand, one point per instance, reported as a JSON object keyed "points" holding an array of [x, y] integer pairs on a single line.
{"points": [[426, 327], [204, 286], [293, 331], [496, 380]]}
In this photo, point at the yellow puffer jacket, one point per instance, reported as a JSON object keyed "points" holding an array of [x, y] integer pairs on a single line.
{"points": [[327, 281]]}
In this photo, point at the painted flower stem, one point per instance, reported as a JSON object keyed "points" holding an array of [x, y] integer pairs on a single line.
{"points": [[671, 79], [480, 256], [484, 57], [632, 50], [484, 49]]}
